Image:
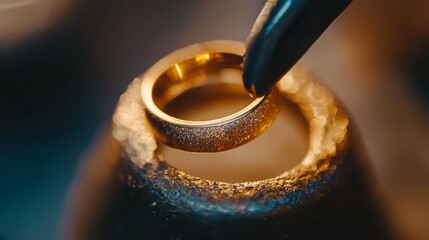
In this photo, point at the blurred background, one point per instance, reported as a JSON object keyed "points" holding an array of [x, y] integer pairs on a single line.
{"points": [[64, 64]]}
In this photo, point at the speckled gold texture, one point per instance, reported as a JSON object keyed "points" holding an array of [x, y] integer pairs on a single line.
{"points": [[188, 68]]}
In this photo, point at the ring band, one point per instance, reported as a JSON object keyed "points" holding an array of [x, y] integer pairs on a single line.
{"points": [[189, 68]]}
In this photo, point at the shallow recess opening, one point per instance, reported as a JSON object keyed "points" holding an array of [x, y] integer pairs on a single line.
{"points": [[280, 148]]}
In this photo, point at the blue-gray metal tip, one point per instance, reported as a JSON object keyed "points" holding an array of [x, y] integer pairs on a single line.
{"points": [[283, 32]]}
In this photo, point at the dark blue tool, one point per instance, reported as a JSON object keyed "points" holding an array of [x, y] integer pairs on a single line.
{"points": [[284, 32]]}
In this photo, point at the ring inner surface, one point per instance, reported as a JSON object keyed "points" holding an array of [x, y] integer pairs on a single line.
{"points": [[208, 72], [208, 102]]}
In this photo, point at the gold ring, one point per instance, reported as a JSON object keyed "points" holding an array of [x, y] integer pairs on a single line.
{"points": [[195, 66]]}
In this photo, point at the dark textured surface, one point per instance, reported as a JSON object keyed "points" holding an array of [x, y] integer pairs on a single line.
{"points": [[334, 201], [327, 195]]}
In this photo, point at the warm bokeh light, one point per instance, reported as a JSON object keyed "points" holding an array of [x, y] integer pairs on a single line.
{"points": [[64, 64]]}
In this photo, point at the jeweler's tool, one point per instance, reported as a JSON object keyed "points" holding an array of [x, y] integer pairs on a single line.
{"points": [[282, 33]]}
